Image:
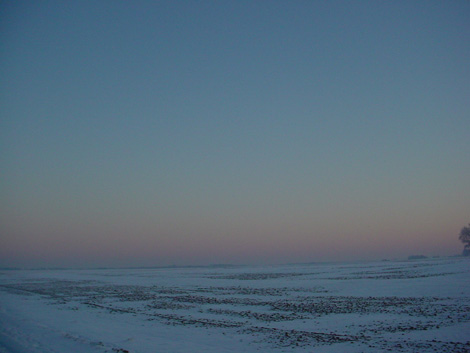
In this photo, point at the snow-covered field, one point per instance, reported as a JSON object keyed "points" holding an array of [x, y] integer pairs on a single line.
{"points": [[409, 306]]}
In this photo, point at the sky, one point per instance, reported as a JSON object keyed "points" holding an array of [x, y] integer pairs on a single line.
{"points": [[154, 133]]}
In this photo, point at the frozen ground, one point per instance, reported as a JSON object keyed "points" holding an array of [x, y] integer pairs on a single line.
{"points": [[411, 306]]}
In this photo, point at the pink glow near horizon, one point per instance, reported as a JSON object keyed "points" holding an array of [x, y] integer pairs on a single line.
{"points": [[181, 132]]}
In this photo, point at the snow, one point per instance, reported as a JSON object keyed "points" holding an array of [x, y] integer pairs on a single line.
{"points": [[407, 306]]}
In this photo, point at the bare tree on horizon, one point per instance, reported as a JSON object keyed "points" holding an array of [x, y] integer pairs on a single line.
{"points": [[465, 238]]}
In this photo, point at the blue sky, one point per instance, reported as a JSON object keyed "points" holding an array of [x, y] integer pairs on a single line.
{"points": [[191, 132]]}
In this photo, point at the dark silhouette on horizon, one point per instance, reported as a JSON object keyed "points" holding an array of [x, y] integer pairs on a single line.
{"points": [[465, 238]]}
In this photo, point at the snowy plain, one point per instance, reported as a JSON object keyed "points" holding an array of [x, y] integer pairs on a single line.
{"points": [[387, 306]]}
